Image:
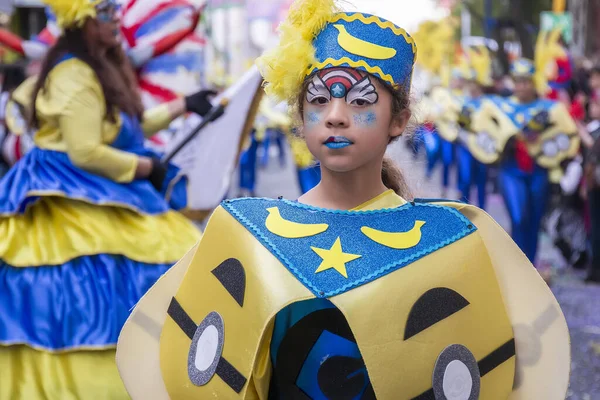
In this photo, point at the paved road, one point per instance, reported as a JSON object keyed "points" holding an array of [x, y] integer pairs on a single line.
{"points": [[580, 302]]}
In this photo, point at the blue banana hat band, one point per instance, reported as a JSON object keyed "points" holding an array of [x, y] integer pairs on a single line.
{"points": [[368, 43]]}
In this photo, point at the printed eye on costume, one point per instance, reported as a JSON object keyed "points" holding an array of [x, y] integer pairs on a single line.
{"points": [[433, 306], [232, 276], [342, 83], [205, 358]]}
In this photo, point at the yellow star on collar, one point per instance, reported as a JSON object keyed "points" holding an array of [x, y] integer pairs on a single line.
{"points": [[334, 258]]}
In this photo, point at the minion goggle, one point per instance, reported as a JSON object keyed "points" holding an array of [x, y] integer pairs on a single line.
{"points": [[107, 10], [522, 68]]}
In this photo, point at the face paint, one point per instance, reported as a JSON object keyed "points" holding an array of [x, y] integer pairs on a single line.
{"points": [[366, 119], [312, 119], [341, 83]]}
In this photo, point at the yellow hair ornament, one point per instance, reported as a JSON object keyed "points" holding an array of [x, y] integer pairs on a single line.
{"points": [[284, 67], [72, 12]]}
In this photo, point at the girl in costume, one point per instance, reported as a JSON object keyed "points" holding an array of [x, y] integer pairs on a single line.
{"points": [[353, 291], [86, 217], [523, 182], [448, 148], [470, 170]]}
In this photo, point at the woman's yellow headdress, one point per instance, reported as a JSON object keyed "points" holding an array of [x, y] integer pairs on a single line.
{"points": [[71, 13]]}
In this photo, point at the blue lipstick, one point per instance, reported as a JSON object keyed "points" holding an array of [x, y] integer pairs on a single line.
{"points": [[337, 142]]}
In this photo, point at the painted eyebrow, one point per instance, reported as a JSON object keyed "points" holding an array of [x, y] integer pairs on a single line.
{"points": [[433, 306]]}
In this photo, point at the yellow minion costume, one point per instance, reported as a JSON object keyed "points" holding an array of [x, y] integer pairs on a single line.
{"points": [[390, 300], [82, 240], [499, 120]]}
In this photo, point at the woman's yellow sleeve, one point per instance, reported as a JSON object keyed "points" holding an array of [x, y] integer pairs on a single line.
{"points": [[80, 124], [156, 119]]}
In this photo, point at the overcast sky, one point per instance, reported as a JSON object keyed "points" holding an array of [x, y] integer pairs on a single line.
{"points": [[404, 13]]}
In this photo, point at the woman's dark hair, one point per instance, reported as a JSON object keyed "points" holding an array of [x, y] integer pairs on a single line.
{"points": [[112, 68], [14, 75], [391, 175]]}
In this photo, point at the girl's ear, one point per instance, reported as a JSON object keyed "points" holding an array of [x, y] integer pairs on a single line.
{"points": [[399, 123]]}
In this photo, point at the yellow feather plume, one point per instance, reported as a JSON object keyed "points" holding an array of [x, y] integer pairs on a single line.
{"points": [[284, 67], [72, 12], [481, 63], [547, 50]]}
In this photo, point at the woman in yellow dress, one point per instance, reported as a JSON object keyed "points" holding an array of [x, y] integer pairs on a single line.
{"points": [[87, 217], [354, 290]]}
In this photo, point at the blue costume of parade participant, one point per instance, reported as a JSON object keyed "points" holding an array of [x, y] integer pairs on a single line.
{"points": [[351, 291], [87, 217], [274, 122], [277, 136], [431, 142], [523, 182], [247, 167], [470, 170], [449, 101]]}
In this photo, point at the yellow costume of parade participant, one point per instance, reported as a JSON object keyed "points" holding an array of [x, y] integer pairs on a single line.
{"points": [[82, 237], [389, 300], [500, 120]]}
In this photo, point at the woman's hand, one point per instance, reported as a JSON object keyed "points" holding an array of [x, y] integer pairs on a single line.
{"points": [[199, 102], [153, 170], [144, 168]]}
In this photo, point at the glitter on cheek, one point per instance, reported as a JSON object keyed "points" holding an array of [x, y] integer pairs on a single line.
{"points": [[312, 119], [367, 119]]}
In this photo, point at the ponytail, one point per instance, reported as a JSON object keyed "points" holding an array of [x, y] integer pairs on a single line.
{"points": [[393, 179]]}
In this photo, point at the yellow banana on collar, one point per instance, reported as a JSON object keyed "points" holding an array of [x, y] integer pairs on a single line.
{"points": [[395, 240], [279, 226]]}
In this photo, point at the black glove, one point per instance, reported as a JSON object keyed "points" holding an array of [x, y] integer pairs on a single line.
{"points": [[158, 174], [199, 102]]}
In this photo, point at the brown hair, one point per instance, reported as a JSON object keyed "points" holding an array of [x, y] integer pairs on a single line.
{"points": [[391, 175], [113, 70]]}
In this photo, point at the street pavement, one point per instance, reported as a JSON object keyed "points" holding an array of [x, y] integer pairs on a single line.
{"points": [[580, 302]]}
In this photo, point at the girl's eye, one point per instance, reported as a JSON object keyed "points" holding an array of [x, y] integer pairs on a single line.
{"points": [[360, 102], [319, 100]]}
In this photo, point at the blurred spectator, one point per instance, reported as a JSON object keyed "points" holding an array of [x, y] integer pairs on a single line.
{"points": [[590, 137], [594, 81]]}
